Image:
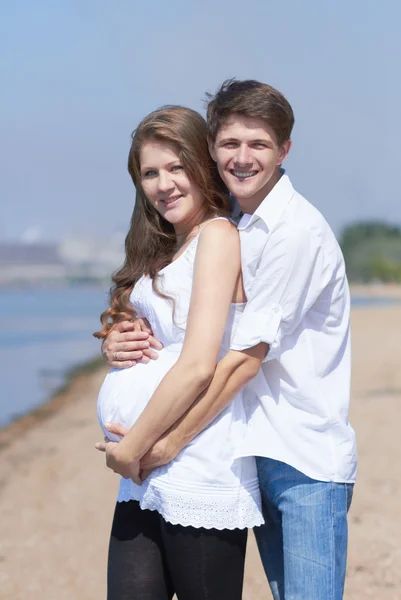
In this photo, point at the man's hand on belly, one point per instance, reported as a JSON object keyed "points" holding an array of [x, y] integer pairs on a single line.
{"points": [[130, 342]]}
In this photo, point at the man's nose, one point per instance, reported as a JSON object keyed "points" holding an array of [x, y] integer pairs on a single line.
{"points": [[243, 157], [165, 182]]}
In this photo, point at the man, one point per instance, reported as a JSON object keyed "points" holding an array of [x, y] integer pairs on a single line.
{"points": [[298, 305]]}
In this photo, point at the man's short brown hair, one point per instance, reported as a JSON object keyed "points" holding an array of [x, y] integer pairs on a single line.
{"points": [[253, 99]]}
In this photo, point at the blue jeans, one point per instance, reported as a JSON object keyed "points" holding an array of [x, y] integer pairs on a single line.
{"points": [[303, 543]]}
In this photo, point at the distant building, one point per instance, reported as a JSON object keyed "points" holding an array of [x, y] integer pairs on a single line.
{"points": [[30, 263], [73, 260], [37, 253], [92, 257]]}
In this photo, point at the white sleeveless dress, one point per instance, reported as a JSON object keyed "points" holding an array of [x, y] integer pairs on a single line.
{"points": [[203, 486]]}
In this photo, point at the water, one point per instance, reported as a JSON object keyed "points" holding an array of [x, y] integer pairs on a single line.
{"points": [[42, 334]]}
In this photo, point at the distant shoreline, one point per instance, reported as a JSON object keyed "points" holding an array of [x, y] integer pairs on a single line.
{"points": [[392, 290]]}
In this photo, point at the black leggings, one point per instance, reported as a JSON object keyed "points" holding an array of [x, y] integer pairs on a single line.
{"points": [[150, 559]]}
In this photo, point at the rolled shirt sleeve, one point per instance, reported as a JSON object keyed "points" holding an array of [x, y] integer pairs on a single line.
{"points": [[292, 273]]}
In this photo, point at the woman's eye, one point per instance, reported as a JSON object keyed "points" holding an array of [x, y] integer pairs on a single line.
{"points": [[149, 173], [177, 168]]}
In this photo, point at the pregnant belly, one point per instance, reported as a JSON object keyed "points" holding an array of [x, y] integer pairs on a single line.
{"points": [[125, 392]]}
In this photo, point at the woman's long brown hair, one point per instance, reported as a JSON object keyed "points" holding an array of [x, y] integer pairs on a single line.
{"points": [[150, 242]]}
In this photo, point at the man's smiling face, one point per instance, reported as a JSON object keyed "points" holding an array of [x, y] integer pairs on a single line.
{"points": [[248, 159]]}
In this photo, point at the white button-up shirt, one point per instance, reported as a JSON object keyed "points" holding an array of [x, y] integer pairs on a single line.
{"points": [[299, 304]]}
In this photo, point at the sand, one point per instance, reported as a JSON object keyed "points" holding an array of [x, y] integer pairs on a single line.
{"points": [[57, 497]]}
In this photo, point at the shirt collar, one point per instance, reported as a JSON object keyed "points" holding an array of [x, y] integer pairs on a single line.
{"points": [[273, 206]]}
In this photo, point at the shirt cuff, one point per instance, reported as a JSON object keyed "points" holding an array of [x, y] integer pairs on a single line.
{"points": [[256, 327]]}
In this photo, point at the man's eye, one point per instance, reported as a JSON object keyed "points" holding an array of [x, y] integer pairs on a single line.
{"points": [[230, 145], [259, 146]]}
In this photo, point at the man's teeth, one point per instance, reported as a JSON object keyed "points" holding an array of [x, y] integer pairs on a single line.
{"points": [[244, 175]]}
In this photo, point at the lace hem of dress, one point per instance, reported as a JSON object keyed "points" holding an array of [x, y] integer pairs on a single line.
{"points": [[211, 511]]}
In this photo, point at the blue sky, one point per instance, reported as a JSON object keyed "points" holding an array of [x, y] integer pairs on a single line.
{"points": [[77, 76]]}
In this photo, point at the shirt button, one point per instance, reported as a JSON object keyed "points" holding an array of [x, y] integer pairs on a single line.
{"points": [[276, 309]]}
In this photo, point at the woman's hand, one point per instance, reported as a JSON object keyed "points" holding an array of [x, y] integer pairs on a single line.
{"points": [[130, 342], [161, 453], [118, 457]]}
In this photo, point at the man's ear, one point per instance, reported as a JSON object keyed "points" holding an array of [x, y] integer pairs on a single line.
{"points": [[212, 148], [283, 152]]}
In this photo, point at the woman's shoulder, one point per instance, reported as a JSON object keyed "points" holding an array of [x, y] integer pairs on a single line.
{"points": [[218, 236], [222, 227], [214, 236]]}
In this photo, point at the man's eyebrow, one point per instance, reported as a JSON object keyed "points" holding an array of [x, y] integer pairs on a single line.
{"points": [[228, 139], [252, 141], [261, 141]]}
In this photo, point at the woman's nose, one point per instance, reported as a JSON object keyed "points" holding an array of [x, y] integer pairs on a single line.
{"points": [[165, 182]]}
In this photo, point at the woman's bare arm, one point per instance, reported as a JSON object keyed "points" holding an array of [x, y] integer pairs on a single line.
{"points": [[216, 275]]}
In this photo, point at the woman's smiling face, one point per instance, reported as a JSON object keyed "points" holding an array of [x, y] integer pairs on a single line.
{"points": [[167, 186]]}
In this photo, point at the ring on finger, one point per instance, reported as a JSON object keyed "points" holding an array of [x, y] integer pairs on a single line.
{"points": [[115, 356]]}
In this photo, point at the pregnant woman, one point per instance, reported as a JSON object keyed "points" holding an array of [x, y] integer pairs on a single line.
{"points": [[183, 529]]}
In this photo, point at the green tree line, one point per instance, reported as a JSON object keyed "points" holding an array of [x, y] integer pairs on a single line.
{"points": [[372, 252]]}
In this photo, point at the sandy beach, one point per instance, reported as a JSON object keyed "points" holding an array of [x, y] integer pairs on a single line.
{"points": [[57, 497]]}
